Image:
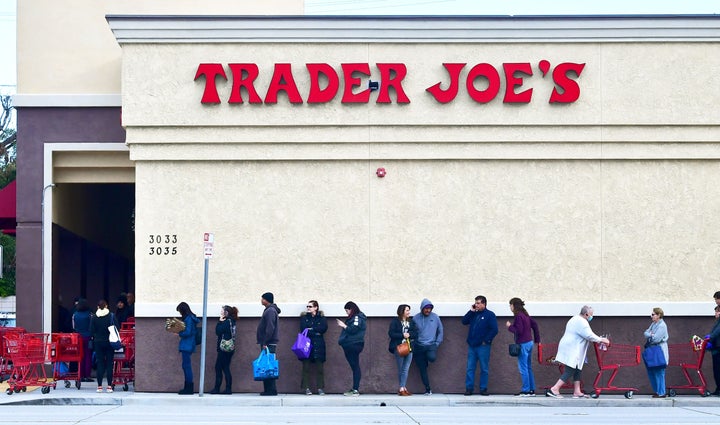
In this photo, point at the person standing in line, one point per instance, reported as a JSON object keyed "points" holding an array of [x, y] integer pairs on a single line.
{"points": [[482, 331], [430, 336], [314, 320], [716, 296], [657, 334], [267, 334], [186, 345], [104, 353], [572, 351], [81, 324], [225, 330], [402, 328], [122, 312], [714, 341], [526, 333], [352, 341]]}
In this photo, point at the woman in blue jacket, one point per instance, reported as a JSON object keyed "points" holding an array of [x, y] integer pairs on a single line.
{"points": [[352, 341], [186, 346]]}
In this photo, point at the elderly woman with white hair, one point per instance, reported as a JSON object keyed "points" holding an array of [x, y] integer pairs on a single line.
{"points": [[572, 351]]}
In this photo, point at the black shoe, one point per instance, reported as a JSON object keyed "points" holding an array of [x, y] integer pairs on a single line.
{"points": [[226, 392], [715, 393], [468, 392], [484, 391], [215, 391], [269, 393]]}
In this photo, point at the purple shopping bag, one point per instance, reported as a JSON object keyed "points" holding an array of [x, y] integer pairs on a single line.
{"points": [[302, 346]]}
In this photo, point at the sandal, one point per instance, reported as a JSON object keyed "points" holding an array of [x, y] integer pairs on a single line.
{"points": [[581, 396], [549, 393]]}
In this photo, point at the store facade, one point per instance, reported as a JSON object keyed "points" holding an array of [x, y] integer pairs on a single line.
{"points": [[565, 161]]}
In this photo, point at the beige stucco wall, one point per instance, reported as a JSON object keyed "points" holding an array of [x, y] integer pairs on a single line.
{"points": [[621, 84], [582, 231], [580, 203], [71, 38]]}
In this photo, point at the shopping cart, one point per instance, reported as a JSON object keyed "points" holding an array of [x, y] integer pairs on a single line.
{"points": [[613, 357], [66, 348], [29, 352], [546, 357], [5, 363], [688, 357], [124, 360]]}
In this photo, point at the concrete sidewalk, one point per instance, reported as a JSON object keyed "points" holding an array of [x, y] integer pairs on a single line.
{"points": [[87, 395]]}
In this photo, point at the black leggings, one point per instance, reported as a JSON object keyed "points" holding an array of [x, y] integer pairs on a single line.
{"points": [[352, 354], [222, 366], [104, 355]]}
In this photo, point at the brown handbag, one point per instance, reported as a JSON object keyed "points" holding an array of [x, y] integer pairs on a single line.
{"points": [[403, 349]]}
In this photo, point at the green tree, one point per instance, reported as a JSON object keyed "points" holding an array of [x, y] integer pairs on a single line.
{"points": [[7, 282], [8, 141], [8, 145]]}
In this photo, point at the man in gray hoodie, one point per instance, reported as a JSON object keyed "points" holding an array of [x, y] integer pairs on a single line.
{"points": [[430, 336]]}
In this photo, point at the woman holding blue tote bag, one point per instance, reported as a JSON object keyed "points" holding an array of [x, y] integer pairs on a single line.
{"points": [[657, 337]]}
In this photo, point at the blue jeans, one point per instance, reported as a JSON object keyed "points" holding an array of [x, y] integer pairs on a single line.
{"points": [[403, 364], [657, 379], [187, 365], [477, 354], [525, 366]]}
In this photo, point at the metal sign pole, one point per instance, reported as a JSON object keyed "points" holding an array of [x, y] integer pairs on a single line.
{"points": [[208, 239], [203, 345]]}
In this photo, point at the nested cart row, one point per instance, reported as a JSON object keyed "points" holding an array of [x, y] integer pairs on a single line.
{"points": [[24, 358]]}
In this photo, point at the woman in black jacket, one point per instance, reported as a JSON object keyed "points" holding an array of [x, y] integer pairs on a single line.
{"points": [[314, 320], [402, 328], [225, 330], [104, 353], [352, 341]]}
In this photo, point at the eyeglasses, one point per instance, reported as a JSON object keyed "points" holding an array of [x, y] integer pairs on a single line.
{"points": [[310, 306], [653, 314]]}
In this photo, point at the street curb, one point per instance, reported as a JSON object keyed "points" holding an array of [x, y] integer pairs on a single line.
{"points": [[297, 400]]}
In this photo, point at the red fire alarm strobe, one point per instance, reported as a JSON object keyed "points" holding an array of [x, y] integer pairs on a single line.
{"points": [[380, 172]]}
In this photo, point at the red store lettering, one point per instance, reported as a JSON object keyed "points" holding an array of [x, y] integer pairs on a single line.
{"points": [[325, 83]]}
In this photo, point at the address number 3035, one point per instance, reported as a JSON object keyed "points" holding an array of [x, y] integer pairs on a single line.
{"points": [[162, 244]]}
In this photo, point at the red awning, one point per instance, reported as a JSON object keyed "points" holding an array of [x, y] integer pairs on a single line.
{"points": [[8, 210]]}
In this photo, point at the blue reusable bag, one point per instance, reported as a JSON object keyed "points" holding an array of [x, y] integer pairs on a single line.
{"points": [[653, 356], [266, 366]]}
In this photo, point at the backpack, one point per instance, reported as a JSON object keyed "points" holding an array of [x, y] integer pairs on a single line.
{"points": [[198, 335]]}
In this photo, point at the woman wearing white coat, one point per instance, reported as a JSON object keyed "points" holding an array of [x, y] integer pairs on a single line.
{"points": [[572, 350]]}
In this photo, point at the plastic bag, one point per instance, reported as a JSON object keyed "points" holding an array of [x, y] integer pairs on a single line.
{"points": [[265, 366]]}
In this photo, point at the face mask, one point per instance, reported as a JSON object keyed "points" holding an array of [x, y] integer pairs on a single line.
{"points": [[590, 318]]}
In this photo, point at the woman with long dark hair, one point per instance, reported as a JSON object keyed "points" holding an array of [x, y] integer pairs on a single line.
{"points": [[225, 330], [186, 346], [104, 353], [314, 321], [523, 327], [352, 341], [402, 328]]}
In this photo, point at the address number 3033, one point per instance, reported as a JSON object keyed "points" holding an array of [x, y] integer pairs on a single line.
{"points": [[162, 244]]}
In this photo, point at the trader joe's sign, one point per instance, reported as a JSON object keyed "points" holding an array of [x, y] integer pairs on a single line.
{"points": [[353, 82]]}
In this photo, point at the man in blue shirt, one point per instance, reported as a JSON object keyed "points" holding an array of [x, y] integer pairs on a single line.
{"points": [[483, 328]]}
